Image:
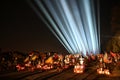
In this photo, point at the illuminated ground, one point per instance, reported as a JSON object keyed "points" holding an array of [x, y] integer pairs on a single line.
{"points": [[90, 74]]}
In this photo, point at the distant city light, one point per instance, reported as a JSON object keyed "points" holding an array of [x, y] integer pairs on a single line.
{"points": [[73, 22]]}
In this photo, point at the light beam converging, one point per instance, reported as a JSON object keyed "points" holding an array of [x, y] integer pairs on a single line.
{"points": [[73, 22]]}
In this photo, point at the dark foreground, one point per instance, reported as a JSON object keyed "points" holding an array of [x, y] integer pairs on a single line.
{"points": [[67, 74]]}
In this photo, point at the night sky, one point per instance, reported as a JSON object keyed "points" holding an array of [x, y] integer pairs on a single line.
{"points": [[22, 30]]}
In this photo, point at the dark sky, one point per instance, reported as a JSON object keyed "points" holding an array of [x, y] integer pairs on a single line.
{"points": [[22, 30], [110, 20]]}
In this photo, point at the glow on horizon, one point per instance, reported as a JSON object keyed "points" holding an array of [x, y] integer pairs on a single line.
{"points": [[73, 22]]}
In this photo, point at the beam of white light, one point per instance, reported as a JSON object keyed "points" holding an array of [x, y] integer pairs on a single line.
{"points": [[87, 9], [73, 23], [59, 22], [59, 34], [79, 23], [98, 14], [67, 29], [37, 12]]}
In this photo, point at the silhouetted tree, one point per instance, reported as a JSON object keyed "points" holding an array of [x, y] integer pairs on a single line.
{"points": [[114, 43]]}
